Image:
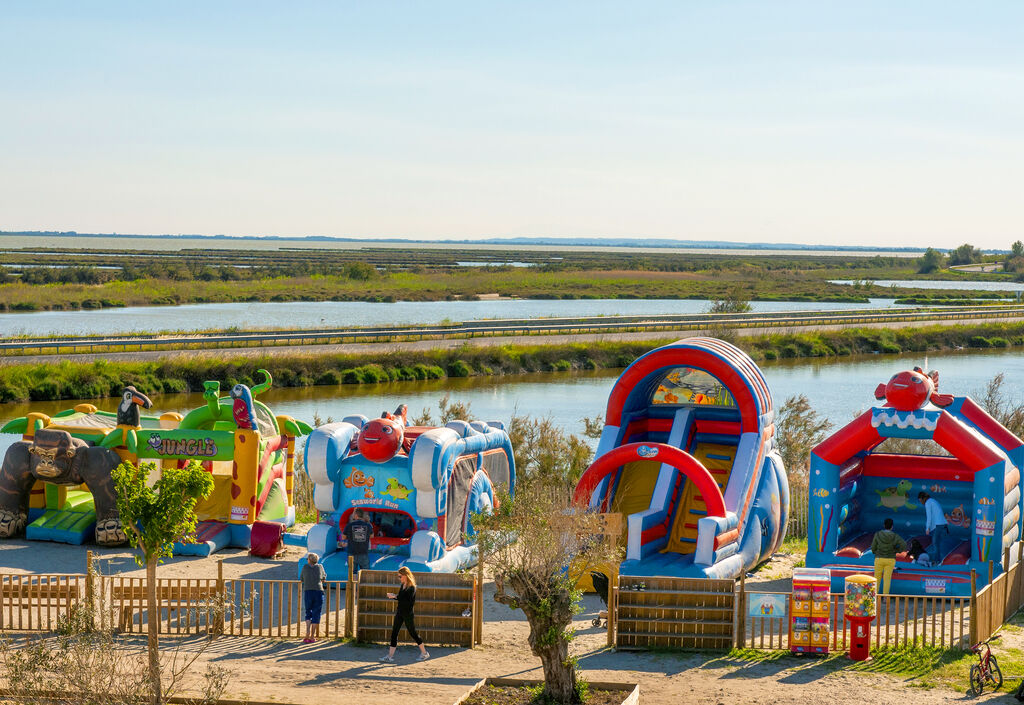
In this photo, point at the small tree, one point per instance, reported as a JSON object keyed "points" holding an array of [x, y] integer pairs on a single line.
{"points": [[931, 261], [538, 546], [965, 254], [154, 517], [734, 301], [798, 429]]}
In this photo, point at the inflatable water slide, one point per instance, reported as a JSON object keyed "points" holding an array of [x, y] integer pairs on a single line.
{"points": [[419, 487], [855, 486], [686, 455]]}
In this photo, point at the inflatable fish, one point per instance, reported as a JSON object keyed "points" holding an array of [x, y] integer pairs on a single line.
{"points": [[380, 439], [912, 389]]}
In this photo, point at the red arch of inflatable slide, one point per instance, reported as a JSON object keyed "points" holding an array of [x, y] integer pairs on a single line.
{"points": [[682, 461]]}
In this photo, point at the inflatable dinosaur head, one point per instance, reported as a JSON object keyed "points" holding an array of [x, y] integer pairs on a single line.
{"points": [[128, 410], [380, 439], [242, 409], [912, 389]]}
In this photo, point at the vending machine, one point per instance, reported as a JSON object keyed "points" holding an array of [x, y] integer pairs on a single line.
{"points": [[809, 616]]}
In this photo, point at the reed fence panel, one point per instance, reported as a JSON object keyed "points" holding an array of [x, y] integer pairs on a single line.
{"points": [[446, 611], [682, 613]]}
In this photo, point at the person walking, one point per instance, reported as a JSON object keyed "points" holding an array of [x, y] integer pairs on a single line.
{"points": [[885, 545], [935, 525], [405, 599], [357, 534], [314, 584]]}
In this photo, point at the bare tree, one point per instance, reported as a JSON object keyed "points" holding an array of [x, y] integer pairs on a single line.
{"points": [[538, 546]]}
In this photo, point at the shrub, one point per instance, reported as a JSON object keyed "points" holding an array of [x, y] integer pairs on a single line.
{"points": [[459, 368], [328, 378]]}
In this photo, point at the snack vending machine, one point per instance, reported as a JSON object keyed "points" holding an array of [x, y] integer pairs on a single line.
{"points": [[809, 616]]}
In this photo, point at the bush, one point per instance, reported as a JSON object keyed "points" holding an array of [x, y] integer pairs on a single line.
{"points": [[980, 341], [459, 368], [328, 378], [999, 342]]}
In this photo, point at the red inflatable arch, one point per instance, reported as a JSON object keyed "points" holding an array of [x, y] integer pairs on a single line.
{"points": [[659, 452]]}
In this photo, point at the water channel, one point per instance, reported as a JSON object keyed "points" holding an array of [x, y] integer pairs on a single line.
{"points": [[339, 314], [838, 390]]}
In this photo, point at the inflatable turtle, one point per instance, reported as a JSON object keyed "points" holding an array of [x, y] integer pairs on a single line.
{"points": [[896, 497]]}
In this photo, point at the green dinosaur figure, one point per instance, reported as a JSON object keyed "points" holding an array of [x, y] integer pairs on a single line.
{"points": [[264, 385], [211, 393], [395, 489], [896, 497]]}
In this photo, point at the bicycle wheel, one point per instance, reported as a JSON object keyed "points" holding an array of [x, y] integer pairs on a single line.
{"points": [[995, 674], [977, 684]]}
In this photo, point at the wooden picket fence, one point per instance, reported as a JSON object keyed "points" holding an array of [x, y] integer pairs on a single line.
{"points": [[681, 613], [901, 620], [32, 603], [448, 607]]}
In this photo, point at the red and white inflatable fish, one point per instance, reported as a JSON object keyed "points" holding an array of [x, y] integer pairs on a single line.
{"points": [[911, 390], [380, 439]]}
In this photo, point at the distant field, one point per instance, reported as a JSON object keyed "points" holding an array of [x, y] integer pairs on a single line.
{"points": [[41, 276]]}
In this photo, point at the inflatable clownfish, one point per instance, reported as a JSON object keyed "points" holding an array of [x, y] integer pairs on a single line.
{"points": [[380, 439]]}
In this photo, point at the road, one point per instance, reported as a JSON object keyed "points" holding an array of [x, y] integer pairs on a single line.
{"points": [[488, 341]]}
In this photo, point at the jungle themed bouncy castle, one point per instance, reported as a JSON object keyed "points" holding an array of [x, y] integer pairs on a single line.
{"points": [[854, 487], [55, 483], [419, 487], [687, 457]]}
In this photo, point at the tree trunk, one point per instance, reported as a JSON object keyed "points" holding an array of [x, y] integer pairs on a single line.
{"points": [[559, 673], [153, 624]]}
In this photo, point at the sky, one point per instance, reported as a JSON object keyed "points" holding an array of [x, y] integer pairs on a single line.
{"points": [[843, 123]]}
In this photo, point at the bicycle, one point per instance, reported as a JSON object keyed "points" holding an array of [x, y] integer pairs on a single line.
{"points": [[987, 669]]}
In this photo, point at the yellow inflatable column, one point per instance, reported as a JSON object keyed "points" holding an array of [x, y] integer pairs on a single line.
{"points": [[243, 476]]}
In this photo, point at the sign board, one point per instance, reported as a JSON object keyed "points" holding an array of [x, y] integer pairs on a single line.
{"points": [[766, 604]]}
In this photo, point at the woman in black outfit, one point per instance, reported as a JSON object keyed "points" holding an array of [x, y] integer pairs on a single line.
{"points": [[405, 598]]}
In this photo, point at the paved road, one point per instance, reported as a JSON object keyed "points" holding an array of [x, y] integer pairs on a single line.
{"points": [[489, 341]]}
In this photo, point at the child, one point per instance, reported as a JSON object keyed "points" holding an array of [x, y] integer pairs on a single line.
{"points": [[314, 583], [918, 555]]}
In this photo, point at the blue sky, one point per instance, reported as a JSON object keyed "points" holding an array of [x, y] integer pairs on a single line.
{"points": [[869, 123]]}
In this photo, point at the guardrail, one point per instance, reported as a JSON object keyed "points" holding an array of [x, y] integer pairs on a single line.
{"points": [[508, 327]]}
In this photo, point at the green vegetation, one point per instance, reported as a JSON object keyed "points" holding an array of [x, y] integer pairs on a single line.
{"points": [[103, 278], [88, 380]]}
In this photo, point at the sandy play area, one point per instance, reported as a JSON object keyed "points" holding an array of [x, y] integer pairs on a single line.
{"points": [[289, 671]]}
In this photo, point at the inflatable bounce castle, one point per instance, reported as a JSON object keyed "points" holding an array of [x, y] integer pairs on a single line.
{"points": [[854, 488], [419, 487], [687, 457], [247, 449]]}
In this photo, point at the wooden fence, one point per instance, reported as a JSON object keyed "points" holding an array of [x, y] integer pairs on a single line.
{"points": [[682, 613], [902, 620], [30, 603], [447, 607], [1001, 598]]}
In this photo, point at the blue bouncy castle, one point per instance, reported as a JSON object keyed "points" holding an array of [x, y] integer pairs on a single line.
{"points": [[419, 487], [855, 486], [687, 457]]}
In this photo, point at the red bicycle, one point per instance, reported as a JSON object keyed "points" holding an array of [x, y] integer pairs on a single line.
{"points": [[987, 669]]}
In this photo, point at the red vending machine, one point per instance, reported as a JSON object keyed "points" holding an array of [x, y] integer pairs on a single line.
{"points": [[860, 609], [811, 606]]}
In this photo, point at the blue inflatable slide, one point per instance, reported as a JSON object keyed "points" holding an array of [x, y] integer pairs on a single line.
{"points": [[687, 457]]}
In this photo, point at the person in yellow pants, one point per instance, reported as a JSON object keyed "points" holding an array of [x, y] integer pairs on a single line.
{"points": [[885, 545]]}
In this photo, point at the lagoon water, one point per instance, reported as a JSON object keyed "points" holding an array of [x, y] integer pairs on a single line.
{"points": [[964, 285], [341, 314], [837, 390]]}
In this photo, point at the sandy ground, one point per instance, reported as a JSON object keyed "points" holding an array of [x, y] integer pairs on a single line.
{"points": [[333, 672]]}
